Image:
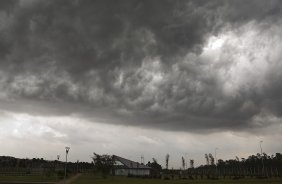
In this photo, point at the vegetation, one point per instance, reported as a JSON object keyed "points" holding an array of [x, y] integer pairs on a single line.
{"points": [[35, 165], [183, 162], [191, 163], [259, 168], [156, 168], [89, 179], [255, 166], [103, 164], [38, 170], [30, 178], [166, 161]]}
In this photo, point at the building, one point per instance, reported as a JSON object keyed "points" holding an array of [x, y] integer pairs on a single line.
{"points": [[125, 167]]}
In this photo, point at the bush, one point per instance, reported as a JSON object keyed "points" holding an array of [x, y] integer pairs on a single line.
{"points": [[60, 174]]}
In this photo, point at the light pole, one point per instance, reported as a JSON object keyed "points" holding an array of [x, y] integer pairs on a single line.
{"points": [[67, 151], [260, 142]]}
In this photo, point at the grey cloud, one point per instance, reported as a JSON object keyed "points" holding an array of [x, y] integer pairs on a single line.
{"points": [[7, 5], [138, 62], [103, 34], [242, 11]]}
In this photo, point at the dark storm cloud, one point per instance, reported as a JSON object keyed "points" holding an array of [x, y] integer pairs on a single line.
{"points": [[137, 62]]}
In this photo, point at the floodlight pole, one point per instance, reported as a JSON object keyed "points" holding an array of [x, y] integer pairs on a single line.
{"points": [[260, 143], [67, 151]]}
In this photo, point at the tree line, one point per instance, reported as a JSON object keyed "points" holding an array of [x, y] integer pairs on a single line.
{"points": [[13, 164], [259, 165]]}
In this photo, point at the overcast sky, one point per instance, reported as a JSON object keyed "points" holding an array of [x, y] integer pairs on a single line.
{"points": [[140, 77]]}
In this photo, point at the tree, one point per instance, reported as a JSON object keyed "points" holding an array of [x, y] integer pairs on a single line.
{"points": [[183, 162], [191, 163], [103, 163], [155, 168], [207, 159], [166, 160], [211, 159], [154, 160]]}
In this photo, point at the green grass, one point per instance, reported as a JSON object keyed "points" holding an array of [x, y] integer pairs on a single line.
{"points": [[92, 179], [28, 178]]}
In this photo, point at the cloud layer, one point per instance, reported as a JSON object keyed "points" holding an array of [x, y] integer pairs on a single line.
{"points": [[174, 65], [54, 133]]}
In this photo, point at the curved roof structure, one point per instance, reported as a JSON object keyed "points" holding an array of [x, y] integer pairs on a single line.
{"points": [[130, 164]]}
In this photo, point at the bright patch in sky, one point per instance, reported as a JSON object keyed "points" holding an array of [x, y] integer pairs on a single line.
{"points": [[39, 138], [214, 42]]}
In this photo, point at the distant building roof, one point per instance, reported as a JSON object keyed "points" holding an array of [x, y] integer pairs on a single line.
{"points": [[130, 164]]}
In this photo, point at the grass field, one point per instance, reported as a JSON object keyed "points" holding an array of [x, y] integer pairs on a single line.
{"points": [[28, 178], [91, 179]]}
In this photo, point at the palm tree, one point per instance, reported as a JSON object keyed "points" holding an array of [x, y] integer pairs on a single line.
{"points": [[207, 159], [166, 160], [211, 159], [183, 163], [191, 163]]}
